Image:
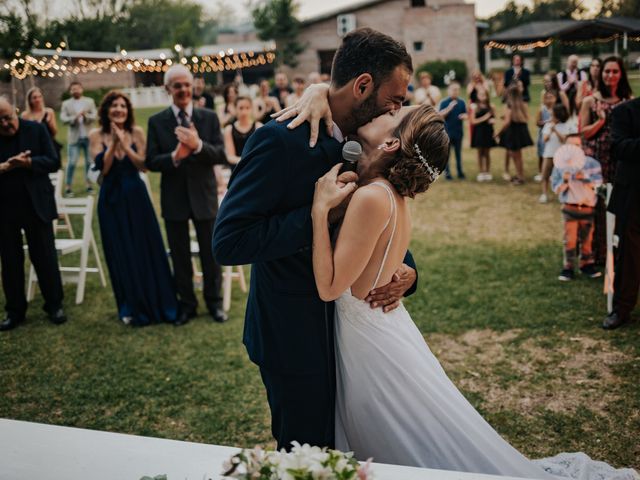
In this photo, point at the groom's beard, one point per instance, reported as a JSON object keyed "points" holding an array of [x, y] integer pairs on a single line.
{"points": [[366, 112]]}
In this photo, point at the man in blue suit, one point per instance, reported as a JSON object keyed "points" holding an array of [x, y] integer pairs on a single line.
{"points": [[265, 220]]}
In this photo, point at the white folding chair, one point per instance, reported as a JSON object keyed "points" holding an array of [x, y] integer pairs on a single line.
{"points": [[228, 275], [612, 242], [62, 224], [66, 246]]}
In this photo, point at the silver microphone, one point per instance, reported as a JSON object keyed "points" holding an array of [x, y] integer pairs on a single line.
{"points": [[351, 153]]}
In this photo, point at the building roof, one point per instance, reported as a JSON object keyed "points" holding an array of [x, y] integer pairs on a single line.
{"points": [[568, 30], [352, 7]]}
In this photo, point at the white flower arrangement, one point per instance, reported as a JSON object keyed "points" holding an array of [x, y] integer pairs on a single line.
{"points": [[302, 463]]}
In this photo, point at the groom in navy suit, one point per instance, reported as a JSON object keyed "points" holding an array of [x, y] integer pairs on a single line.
{"points": [[265, 220]]}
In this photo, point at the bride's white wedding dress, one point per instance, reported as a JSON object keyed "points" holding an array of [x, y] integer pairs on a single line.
{"points": [[395, 403]]}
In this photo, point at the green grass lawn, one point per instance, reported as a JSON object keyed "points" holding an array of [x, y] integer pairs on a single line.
{"points": [[525, 349]]}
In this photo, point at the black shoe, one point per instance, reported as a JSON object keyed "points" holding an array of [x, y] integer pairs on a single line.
{"points": [[58, 317], [590, 271], [217, 313], [462, 176], [614, 320], [566, 275], [9, 323], [184, 317]]}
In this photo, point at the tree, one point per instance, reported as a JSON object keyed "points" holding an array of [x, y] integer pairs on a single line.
{"points": [[107, 24], [276, 20]]}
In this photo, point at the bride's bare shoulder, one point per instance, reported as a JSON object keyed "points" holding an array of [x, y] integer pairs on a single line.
{"points": [[373, 200]]}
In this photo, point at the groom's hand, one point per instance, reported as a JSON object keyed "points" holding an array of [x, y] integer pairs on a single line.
{"points": [[388, 296]]}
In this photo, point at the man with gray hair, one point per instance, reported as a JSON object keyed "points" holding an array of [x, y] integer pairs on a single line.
{"points": [[569, 79], [184, 143], [27, 204]]}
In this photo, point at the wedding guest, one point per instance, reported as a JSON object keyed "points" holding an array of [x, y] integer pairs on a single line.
{"points": [[595, 116], [544, 116], [625, 204], [228, 112], [184, 143], [79, 112], [133, 247], [314, 78], [454, 111], [265, 105], [298, 90], [27, 157], [478, 82], [281, 90], [518, 75], [36, 111], [201, 97], [574, 179], [590, 84], [514, 134], [550, 84], [554, 135], [426, 93], [237, 134], [569, 79], [482, 118]]}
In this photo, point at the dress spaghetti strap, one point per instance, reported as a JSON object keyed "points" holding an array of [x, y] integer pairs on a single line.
{"points": [[393, 215]]}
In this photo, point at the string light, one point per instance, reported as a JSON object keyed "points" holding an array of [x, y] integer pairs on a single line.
{"points": [[24, 65], [545, 43]]}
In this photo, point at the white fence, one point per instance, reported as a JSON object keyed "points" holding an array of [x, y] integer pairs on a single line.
{"points": [[148, 96]]}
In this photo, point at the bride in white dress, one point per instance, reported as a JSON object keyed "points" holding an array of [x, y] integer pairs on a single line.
{"points": [[394, 402]]}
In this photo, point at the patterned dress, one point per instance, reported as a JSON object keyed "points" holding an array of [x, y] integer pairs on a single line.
{"points": [[599, 147]]}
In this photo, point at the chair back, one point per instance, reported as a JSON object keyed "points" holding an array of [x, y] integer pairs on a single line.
{"points": [[79, 206], [57, 180]]}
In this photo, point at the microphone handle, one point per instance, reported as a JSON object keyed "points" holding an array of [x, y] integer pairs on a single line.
{"points": [[349, 167]]}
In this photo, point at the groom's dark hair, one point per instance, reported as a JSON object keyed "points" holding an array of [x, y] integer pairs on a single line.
{"points": [[368, 51]]}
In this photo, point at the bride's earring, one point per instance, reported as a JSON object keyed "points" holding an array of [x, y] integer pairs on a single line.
{"points": [[382, 146]]}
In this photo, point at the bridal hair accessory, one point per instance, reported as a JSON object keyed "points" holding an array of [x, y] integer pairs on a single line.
{"points": [[434, 173]]}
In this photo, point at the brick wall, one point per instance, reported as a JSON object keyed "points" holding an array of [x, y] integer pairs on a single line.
{"points": [[447, 31]]}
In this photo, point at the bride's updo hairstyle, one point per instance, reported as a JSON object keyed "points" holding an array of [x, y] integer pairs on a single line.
{"points": [[423, 152]]}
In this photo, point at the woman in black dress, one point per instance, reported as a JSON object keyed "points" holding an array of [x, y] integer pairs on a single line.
{"points": [[482, 119], [237, 133], [36, 111], [514, 134]]}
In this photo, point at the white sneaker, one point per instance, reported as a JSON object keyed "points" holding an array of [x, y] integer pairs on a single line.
{"points": [[538, 178], [488, 177], [506, 177], [543, 199], [480, 177], [126, 320]]}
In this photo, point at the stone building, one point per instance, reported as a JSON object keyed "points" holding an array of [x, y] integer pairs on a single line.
{"points": [[430, 29]]}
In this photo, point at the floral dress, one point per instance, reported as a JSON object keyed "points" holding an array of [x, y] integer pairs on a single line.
{"points": [[599, 147]]}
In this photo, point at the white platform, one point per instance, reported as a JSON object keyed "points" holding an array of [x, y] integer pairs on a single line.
{"points": [[30, 451]]}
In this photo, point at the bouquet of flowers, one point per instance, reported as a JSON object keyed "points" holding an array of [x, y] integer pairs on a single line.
{"points": [[302, 463]]}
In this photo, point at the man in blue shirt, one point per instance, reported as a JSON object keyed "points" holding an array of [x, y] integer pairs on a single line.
{"points": [[454, 111]]}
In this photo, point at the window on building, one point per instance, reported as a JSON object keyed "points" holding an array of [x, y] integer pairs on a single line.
{"points": [[418, 3], [326, 59], [418, 46]]}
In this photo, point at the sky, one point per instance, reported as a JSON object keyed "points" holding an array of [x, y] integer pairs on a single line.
{"points": [[310, 8]]}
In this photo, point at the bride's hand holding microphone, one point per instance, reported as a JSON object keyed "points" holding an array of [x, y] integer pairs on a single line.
{"points": [[332, 190]]}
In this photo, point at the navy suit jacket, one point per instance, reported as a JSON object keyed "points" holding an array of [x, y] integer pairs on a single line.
{"points": [[44, 160], [265, 220], [189, 189], [625, 149]]}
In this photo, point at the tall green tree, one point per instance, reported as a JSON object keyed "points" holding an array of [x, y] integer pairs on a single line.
{"points": [[276, 20]]}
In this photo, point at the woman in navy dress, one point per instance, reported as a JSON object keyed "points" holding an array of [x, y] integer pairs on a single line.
{"points": [[133, 246]]}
